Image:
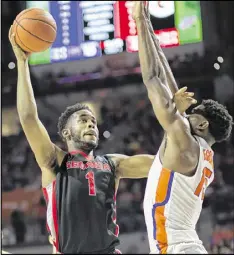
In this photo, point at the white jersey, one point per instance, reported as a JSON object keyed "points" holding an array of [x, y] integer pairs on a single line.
{"points": [[173, 202]]}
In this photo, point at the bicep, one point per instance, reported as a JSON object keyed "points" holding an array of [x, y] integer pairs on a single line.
{"points": [[162, 102], [137, 166], [174, 124], [39, 141]]}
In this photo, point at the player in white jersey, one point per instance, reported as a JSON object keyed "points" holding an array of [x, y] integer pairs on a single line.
{"points": [[183, 167], [173, 203]]}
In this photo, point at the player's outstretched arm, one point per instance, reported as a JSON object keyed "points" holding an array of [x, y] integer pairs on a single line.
{"points": [[182, 98], [137, 166], [169, 77], [155, 58], [34, 130], [149, 59], [159, 94]]}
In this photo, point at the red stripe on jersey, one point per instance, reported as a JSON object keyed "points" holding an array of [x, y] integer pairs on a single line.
{"points": [[46, 196], [115, 215], [54, 213], [89, 157]]}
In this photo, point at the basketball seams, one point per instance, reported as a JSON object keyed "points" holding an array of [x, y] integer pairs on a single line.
{"points": [[21, 41], [29, 10], [33, 34], [45, 15], [40, 21], [23, 13], [38, 29]]}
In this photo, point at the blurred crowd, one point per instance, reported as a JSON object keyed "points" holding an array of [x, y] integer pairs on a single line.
{"points": [[184, 67]]}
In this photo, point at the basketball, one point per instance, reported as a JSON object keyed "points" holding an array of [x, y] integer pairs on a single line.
{"points": [[35, 30]]}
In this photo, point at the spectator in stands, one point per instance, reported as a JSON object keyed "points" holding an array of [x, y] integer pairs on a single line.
{"points": [[19, 226], [41, 216]]}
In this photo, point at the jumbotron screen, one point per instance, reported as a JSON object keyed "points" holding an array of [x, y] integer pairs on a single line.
{"points": [[88, 29]]}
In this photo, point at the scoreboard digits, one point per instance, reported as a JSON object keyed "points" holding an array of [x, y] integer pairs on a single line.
{"points": [[88, 29]]}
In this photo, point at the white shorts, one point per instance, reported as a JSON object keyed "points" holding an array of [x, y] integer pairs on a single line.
{"points": [[185, 248]]}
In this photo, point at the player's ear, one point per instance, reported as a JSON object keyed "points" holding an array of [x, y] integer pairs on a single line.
{"points": [[66, 133], [203, 125]]}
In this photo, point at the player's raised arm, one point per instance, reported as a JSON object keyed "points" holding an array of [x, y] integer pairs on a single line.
{"points": [[171, 82], [159, 94], [34, 130], [182, 98], [137, 166], [149, 59]]}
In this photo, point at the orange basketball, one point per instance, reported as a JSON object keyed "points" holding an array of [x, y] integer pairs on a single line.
{"points": [[35, 30]]}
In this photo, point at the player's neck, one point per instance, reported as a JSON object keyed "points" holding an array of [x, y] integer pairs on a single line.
{"points": [[209, 139], [73, 148]]}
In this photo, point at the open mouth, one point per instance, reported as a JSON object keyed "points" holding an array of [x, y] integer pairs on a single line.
{"points": [[91, 133]]}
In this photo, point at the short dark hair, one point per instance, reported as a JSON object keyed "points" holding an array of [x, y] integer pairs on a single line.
{"points": [[67, 114], [220, 121]]}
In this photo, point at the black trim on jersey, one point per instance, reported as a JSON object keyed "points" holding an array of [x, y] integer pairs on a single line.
{"points": [[62, 167], [111, 163]]}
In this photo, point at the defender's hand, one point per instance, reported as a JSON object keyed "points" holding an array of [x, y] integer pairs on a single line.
{"points": [[19, 53], [183, 99]]}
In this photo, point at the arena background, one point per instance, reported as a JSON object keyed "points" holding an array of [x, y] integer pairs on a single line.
{"points": [[107, 76]]}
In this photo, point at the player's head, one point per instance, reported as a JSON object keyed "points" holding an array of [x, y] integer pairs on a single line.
{"points": [[78, 126], [211, 119]]}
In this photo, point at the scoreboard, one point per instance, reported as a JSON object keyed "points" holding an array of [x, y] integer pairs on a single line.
{"points": [[88, 29]]}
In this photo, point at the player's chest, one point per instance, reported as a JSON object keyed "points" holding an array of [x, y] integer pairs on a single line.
{"points": [[93, 175]]}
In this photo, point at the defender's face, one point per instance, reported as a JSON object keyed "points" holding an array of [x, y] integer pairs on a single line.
{"points": [[197, 122], [84, 127]]}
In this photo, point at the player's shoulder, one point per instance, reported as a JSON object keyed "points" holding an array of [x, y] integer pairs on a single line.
{"points": [[115, 158], [60, 155], [112, 159], [202, 142], [180, 134]]}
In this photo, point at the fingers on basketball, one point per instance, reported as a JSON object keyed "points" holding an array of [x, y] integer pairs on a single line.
{"points": [[9, 33], [11, 36], [12, 40], [14, 44]]}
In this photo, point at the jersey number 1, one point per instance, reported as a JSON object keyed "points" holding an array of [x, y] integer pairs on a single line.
{"points": [[91, 182], [203, 183]]}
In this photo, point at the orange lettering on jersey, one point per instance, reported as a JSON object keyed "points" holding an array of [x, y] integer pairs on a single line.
{"points": [[200, 186], [203, 183], [204, 188], [208, 156]]}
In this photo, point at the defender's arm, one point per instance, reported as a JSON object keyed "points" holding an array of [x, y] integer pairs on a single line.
{"points": [[171, 82], [159, 94], [137, 166]]}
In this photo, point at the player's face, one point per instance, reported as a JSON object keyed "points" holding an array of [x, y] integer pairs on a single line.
{"points": [[84, 129], [198, 123]]}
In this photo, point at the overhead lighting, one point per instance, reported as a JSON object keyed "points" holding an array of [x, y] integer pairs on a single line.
{"points": [[11, 65], [220, 59], [106, 134], [216, 66]]}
